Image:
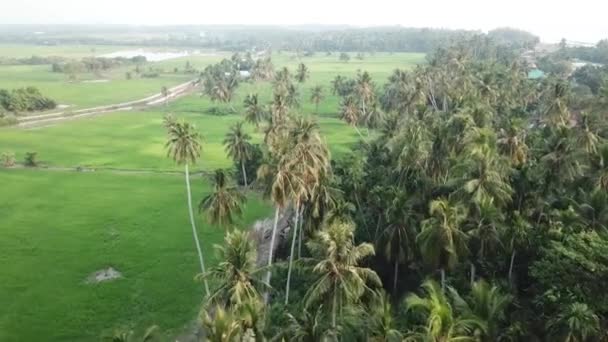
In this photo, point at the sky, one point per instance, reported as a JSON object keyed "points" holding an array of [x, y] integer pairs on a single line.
{"points": [[581, 20]]}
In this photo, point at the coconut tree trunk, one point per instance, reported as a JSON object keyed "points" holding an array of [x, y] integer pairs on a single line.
{"points": [[244, 173], [395, 277], [194, 233], [442, 279], [472, 273], [333, 309], [293, 247], [301, 232], [270, 251], [511, 266]]}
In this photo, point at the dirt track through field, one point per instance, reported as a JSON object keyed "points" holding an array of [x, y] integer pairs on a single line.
{"points": [[44, 120]]}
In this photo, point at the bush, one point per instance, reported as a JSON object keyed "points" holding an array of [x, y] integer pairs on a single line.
{"points": [[7, 119], [25, 99], [150, 74], [8, 159], [31, 159]]}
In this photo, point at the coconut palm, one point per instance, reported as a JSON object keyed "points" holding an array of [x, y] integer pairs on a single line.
{"points": [[236, 272], [316, 97], [350, 113], [309, 328], [365, 92], [220, 325], [486, 303], [442, 322], [336, 84], [575, 323], [396, 241], [254, 111], [184, 147], [511, 142], [381, 324], [441, 241], [600, 169], [223, 203], [341, 281], [302, 73], [238, 147]]}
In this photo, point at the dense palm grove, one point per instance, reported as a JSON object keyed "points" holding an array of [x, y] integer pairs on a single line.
{"points": [[474, 207]]}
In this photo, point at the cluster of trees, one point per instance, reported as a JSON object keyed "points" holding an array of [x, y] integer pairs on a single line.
{"points": [[477, 211], [24, 100], [308, 38], [595, 54], [94, 64]]}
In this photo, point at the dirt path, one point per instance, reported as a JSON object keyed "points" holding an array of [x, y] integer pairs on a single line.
{"points": [[150, 101]]}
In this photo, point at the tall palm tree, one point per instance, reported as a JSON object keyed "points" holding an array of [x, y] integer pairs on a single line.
{"points": [[486, 303], [441, 240], [316, 97], [302, 73], [184, 147], [365, 91], [336, 84], [238, 147], [236, 272], [350, 113], [396, 241], [254, 111], [309, 159], [341, 280], [224, 202], [576, 323], [442, 322]]}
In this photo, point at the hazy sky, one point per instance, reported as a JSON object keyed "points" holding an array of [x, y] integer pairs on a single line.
{"points": [[581, 20]]}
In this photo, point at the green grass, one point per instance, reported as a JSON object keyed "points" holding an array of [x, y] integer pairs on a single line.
{"points": [[58, 227], [82, 94], [135, 140]]}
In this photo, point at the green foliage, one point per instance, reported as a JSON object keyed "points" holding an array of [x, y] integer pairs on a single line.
{"points": [[8, 159], [24, 100], [31, 159]]}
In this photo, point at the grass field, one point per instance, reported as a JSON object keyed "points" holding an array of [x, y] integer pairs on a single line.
{"points": [[58, 226], [68, 51]]}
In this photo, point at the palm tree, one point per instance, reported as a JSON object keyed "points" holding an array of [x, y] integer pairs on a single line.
{"points": [[184, 147], [441, 240], [220, 326], [336, 84], [486, 303], [350, 113], [442, 322], [576, 323], [224, 202], [282, 182], [236, 272], [302, 73], [309, 159], [365, 91], [238, 147], [316, 97], [381, 324], [309, 328], [254, 111], [396, 241], [341, 280]]}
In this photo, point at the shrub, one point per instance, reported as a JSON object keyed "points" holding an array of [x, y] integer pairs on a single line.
{"points": [[8, 159], [7, 119], [31, 159], [150, 74]]}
